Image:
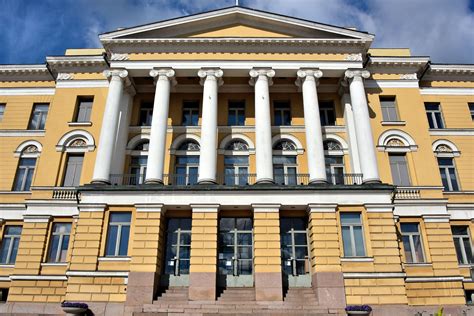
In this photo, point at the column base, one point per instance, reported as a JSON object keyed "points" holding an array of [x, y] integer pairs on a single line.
{"points": [[371, 181], [268, 286], [265, 181], [318, 182], [207, 181], [100, 181], [202, 286], [141, 288], [329, 288], [154, 181]]}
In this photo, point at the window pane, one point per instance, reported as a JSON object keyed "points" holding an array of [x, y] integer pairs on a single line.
{"points": [[359, 241], [409, 228], [457, 246], [346, 239], [459, 230], [468, 249], [4, 251], [439, 120], [418, 248], [407, 248], [28, 179], [64, 248], [19, 180], [124, 236], [111, 240], [244, 223], [454, 181], [16, 243], [350, 218], [121, 217], [13, 230], [226, 223], [54, 248]]}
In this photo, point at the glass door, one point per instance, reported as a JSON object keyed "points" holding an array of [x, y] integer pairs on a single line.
{"points": [[178, 248], [235, 252], [294, 252]]}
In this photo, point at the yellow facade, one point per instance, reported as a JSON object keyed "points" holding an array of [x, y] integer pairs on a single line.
{"points": [[101, 266]]}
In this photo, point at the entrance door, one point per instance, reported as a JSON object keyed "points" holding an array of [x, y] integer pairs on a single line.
{"points": [[178, 248], [294, 252], [235, 252]]}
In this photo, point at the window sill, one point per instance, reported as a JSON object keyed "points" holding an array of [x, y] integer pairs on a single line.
{"points": [[54, 264], [421, 264], [79, 123], [469, 265], [357, 259], [15, 192], [114, 259], [6, 266], [393, 123]]}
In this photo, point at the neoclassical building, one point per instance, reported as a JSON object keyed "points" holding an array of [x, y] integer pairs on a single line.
{"points": [[237, 161]]}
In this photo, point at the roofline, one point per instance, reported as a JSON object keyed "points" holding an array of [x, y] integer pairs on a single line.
{"points": [[230, 10]]}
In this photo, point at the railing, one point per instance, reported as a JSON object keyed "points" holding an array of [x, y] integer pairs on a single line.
{"points": [[407, 194], [237, 180], [65, 194]]}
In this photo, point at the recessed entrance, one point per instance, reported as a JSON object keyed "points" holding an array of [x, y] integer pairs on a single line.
{"points": [[177, 253], [235, 252], [294, 252]]}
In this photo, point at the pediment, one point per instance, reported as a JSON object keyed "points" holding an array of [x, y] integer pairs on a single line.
{"points": [[236, 22]]}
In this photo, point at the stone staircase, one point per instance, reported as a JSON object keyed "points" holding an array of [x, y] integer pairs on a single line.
{"points": [[237, 301]]}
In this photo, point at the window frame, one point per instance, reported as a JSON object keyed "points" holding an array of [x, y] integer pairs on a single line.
{"points": [[282, 107], [470, 106], [448, 178], [352, 236], [41, 114], [68, 156], [432, 114], [461, 244], [232, 107], [405, 162], [88, 111], [24, 179], [384, 99], [326, 107], [119, 234], [10, 247], [3, 108], [192, 110], [60, 243], [412, 244]]}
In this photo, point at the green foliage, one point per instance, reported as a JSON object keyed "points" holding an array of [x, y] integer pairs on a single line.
{"points": [[439, 312]]}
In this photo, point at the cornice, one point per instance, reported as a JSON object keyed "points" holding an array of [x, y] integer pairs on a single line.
{"points": [[450, 72], [61, 66], [34, 72], [408, 66]]}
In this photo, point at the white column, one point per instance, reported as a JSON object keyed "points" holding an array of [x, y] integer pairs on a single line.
{"points": [[365, 142], [307, 79], [350, 131], [108, 131], [210, 79], [261, 79], [159, 124], [122, 135]]}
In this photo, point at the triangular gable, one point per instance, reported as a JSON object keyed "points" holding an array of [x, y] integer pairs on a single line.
{"points": [[226, 22]]}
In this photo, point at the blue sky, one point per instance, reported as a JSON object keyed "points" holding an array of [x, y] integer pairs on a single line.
{"points": [[30, 30]]}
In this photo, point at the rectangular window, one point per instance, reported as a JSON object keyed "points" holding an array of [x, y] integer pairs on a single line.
{"points": [[471, 110], [190, 113], [236, 114], [84, 109], [335, 169], [59, 242], [24, 174], [72, 176], [282, 113], [285, 170], [412, 243], [38, 116], [389, 108], [146, 113], [433, 113], [2, 111], [399, 168], [352, 235], [118, 234], [138, 169], [10, 242], [327, 114], [463, 244], [448, 174]]}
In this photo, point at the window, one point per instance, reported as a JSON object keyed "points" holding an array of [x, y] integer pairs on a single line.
{"points": [[284, 163], [399, 168], [448, 174], [471, 110], [118, 234], [59, 242], [352, 235], [236, 114], [389, 109], [186, 170], [10, 242], [433, 112], [469, 296], [326, 112], [146, 113], [72, 176], [84, 108], [190, 113], [138, 169], [335, 169], [38, 116], [236, 170], [463, 244], [412, 243], [2, 111], [282, 113], [24, 174]]}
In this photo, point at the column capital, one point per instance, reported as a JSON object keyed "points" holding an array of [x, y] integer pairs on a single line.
{"points": [[163, 74], [216, 73], [356, 73], [255, 73], [304, 73], [115, 73]]}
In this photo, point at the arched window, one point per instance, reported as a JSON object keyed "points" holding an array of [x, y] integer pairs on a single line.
{"points": [[334, 161], [138, 163], [186, 163], [236, 163], [445, 152], [28, 153], [284, 162], [189, 145]]}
